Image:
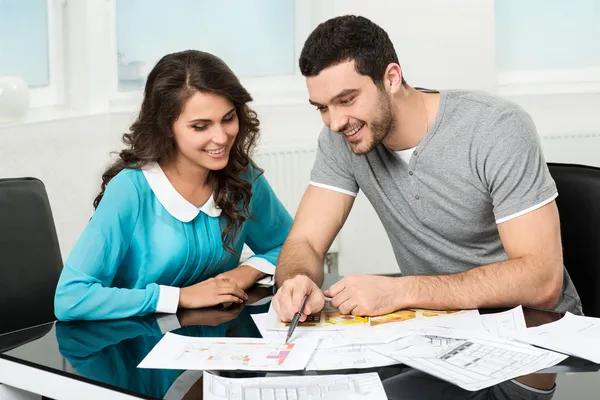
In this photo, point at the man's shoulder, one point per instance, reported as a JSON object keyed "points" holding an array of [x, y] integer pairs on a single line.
{"points": [[490, 116], [482, 102]]}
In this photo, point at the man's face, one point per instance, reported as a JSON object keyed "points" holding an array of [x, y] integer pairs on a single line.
{"points": [[352, 105]]}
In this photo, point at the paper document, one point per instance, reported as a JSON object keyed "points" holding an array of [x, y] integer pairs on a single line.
{"points": [[417, 346], [572, 334], [474, 364], [505, 324], [325, 387], [183, 352], [328, 339], [335, 349], [348, 357], [329, 318]]}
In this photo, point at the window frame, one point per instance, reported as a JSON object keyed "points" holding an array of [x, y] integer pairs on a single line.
{"points": [[266, 90], [53, 94]]}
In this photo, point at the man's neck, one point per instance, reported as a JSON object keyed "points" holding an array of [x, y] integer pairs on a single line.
{"points": [[414, 112]]}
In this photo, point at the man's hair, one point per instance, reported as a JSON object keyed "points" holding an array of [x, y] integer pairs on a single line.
{"points": [[348, 38]]}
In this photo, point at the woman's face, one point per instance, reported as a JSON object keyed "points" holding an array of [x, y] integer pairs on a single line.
{"points": [[205, 130]]}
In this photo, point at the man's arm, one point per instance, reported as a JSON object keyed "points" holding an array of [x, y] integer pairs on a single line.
{"points": [[320, 216], [532, 276]]}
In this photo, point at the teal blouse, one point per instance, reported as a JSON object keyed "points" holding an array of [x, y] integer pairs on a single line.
{"points": [[145, 241]]}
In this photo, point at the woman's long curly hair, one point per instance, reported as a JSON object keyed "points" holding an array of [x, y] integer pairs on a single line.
{"points": [[174, 79]]}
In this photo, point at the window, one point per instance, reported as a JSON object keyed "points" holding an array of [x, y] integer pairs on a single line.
{"points": [[548, 43], [29, 43], [255, 38]]}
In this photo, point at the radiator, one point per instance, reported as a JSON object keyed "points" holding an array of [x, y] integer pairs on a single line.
{"points": [[287, 168]]}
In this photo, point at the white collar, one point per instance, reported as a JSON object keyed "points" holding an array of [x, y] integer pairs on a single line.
{"points": [[170, 198]]}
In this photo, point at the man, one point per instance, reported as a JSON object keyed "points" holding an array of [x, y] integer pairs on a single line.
{"points": [[458, 179]]}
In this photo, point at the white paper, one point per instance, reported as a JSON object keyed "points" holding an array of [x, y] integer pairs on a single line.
{"points": [[326, 387], [572, 334], [329, 338], [474, 364], [348, 357], [505, 324], [417, 346], [183, 352]]}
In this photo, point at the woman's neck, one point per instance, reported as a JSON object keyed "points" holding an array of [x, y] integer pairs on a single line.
{"points": [[190, 181]]}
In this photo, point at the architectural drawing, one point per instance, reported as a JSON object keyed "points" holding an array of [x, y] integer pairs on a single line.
{"points": [[258, 355], [474, 364], [348, 357], [331, 387], [229, 353], [330, 318]]}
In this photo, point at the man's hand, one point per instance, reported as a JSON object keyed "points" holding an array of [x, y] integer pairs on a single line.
{"points": [[366, 295], [288, 299], [243, 276]]}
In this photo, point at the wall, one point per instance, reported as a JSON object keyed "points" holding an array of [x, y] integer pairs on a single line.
{"points": [[440, 44], [68, 156]]}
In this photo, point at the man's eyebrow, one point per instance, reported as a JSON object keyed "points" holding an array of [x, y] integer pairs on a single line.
{"points": [[344, 93], [338, 96]]}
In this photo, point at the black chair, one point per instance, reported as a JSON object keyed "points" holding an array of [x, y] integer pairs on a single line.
{"points": [[30, 259], [578, 203]]}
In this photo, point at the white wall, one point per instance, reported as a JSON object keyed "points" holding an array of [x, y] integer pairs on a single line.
{"points": [[441, 44], [68, 156]]}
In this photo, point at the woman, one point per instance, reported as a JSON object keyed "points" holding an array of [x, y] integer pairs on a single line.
{"points": [[176, 208]]}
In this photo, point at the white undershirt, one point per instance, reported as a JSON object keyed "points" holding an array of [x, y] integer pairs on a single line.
{"points": [[405, 155]]}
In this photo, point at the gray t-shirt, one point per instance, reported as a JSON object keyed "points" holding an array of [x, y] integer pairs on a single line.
{"points": [[480, 164]]}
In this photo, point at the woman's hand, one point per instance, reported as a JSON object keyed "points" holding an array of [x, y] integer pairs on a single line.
{"points": [[243, 276], [211, 292]]}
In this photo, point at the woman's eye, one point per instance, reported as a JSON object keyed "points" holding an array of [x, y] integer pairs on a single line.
{"points": [[199, 128]]}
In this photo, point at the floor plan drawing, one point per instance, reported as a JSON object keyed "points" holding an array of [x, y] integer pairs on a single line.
{"points": [[257, 355], [183, 352], [331, 387], [474, 364], [348, 357]]}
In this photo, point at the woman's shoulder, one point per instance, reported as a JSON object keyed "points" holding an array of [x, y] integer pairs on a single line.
{"points": [[129, 183], [252, 172], [129, 177]]}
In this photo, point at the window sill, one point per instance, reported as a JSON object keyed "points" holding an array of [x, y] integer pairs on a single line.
{"points": [[267, 91], [38, 115], [549, 82]]}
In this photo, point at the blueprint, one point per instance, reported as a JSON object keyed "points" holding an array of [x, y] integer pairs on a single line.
{"points": [[327, 387], [183, 352]]}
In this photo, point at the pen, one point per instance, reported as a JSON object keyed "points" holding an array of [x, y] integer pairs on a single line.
{"points": [[295, 320]]}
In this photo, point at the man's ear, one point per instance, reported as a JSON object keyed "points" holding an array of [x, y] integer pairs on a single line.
{"points": [[392, 78]]}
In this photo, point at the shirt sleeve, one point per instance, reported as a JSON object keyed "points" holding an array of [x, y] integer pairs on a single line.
{"points": [[333, 168], [513, 167], [84, 289], [267, 228]]}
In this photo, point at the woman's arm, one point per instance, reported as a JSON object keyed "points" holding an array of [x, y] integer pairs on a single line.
{"points": [[84, 289], [265, 232]]}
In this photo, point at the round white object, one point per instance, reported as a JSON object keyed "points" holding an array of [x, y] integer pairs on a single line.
{"points": [[14, 98]]}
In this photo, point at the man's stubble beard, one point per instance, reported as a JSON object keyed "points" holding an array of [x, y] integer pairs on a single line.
{"points": [[381, 126]]}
